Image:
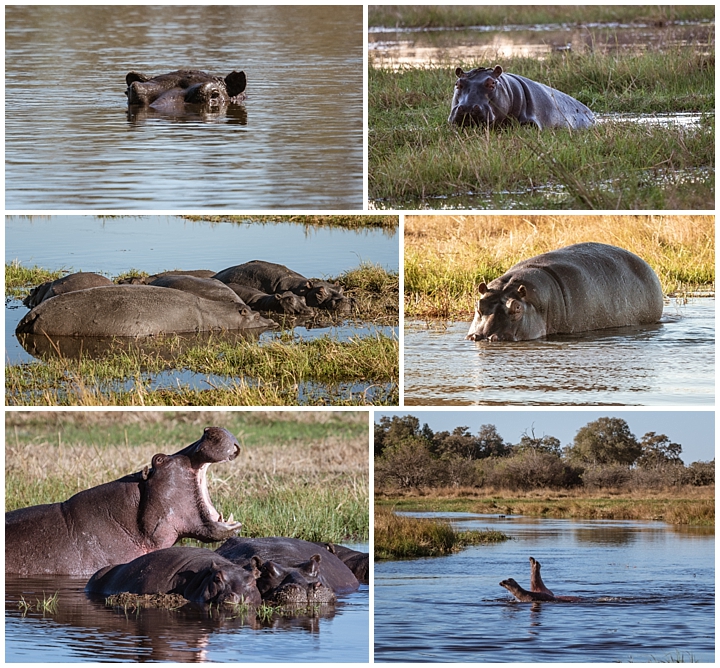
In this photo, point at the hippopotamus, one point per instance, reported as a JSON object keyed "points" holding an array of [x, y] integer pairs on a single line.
{"points": [[70, 283], [207, 288], [578, 288], [144, 280], [185, 87], [357, 562], [538, 590], [485, 96], [278, 302], [276, 278], [291, 562], [536, 581], [119, 521], [136, 311], [199, 575]]}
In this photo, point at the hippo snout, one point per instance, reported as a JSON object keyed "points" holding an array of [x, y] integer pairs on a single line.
{"points": [[465, 114]]}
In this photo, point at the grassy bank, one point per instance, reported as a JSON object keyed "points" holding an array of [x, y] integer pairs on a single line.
{"points": [[398, 537], [689, 506], [447, 257], [302, 474], [415, 157], [347, 222]]}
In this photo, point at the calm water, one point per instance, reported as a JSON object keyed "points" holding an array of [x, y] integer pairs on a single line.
{"points": [[671, 363], [296, 143], [648, 593], [86, 631]]}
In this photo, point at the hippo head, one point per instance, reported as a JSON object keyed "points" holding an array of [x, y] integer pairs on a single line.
{"points": [[293, 304], [224, 583], [326, 295], [294, 585], [505, 315], [474, 92]]}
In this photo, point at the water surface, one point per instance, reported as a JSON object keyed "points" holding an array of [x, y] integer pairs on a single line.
{"points": [[295, 143]]}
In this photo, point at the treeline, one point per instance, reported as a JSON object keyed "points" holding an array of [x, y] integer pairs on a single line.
{"points": [[604, 454]]}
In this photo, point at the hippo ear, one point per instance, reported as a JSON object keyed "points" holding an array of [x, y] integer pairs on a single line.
{"points": [[255, 565], [482, 288], [459, 72], [309, 285], [145, 473], [131, 77], [159, 460], [497, 71], [522, 292], [236, 82], [272, 568]]}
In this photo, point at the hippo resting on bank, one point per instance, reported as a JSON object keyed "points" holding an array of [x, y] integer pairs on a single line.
{"points": [[207, 288], [493, 97], [185, 87], [199, 575], [136, 311], [578, 288], [145, 280], [70, 283], [538, 590], [292, 570], [276, 278], [278, 302], [121, 520]]}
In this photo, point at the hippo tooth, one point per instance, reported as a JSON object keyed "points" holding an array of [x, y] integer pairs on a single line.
{"points": [[230, 519]]}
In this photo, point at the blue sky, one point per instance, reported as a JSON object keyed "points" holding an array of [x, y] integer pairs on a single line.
{"points": [[694, 430]]}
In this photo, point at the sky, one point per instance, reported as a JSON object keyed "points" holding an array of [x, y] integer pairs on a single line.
{"points": [[693, 429]]}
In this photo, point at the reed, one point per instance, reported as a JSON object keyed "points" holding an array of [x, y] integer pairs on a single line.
{"points": [[348, 222]]}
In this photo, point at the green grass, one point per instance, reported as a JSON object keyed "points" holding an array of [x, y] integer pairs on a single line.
{"points": [[347, 222]]}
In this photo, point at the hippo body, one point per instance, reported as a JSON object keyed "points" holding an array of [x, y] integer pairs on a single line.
{"points": [[207, 288], [136, 311], [121, 520], [70, 283], [357, 562], [492, 97], [291, 561], [198, 574], [276, 278], [278, 302], [145, 280], [578, 288], [193, 88]]}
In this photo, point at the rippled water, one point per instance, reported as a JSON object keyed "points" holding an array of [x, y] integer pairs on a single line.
{"points": [[670, 363], [296, 142], [648, 593]]}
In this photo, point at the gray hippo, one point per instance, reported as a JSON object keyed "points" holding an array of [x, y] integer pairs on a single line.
{"points": [[578, 288], [207, 288], [278, 302], [199, 575], [357, 562], [290, 553], [174, 90], [299, 584], [70, 283], [493, 97], [276, 278], [144, 280], [136, 311], [122, 520]]}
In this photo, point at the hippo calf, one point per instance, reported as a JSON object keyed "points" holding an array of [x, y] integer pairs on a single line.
{"points": [[121, 520], [185, 87], [278, 302], [199, 575], [70, 283], [578, 288], [485, 96]]}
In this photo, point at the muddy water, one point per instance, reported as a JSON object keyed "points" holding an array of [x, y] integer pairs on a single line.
{"points": [[647, 590], [296, 143], [670, 363]]}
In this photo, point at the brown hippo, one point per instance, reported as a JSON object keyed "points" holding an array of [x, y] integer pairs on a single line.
{"points": [[207, 288], [357, 562], [536, 581], [291, 553], [578, 288], [522, 594], [136, 311], [121, 520], [199, 575], [174, 90], [278, 302], [492, 97], [70, 283], [144, 280]]}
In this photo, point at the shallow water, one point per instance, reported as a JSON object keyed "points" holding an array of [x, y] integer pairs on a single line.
{"points": [[647, 590], [670, 363], [297, 142]]}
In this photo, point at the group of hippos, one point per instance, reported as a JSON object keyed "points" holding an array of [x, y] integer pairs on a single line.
{"points": [[86, 304], [122, 534]]}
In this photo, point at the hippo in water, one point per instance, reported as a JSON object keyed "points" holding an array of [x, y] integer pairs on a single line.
{"points": [[578, 288], [485, 96], [278, 302], [276, 278], [199, 575], [538, 590], [357, 562], [70, 283], [136, 311], [176, 90], [122, 520]]}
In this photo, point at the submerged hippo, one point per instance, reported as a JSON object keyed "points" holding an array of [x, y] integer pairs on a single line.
{"points": [[357, 562], [276, 278], [185, 87], [485, 96], [578, 288], [538, 590], [278, 302], [207, 288], [122, 520], [199, 575], [136, 311], [70, 283], [291, 562]]}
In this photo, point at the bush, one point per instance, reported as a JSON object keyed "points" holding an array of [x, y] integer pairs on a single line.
{"points": [[530, 469]]}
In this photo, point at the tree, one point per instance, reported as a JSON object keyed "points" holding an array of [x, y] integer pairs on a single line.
{"points": [[658, 450], [491, 443], [605, 441], [397, 429], [406, 465], [548, 444]]}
